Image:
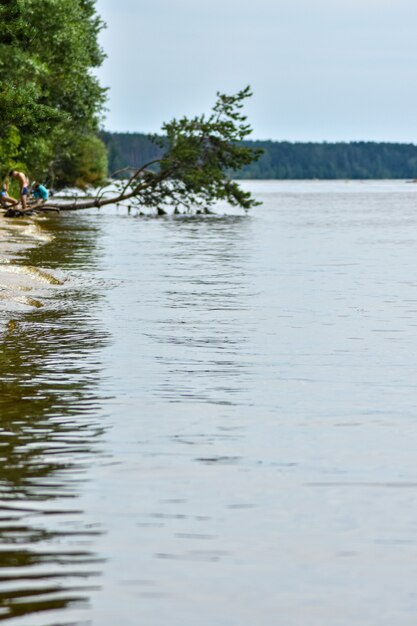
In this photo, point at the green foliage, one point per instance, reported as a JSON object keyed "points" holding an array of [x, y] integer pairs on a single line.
{"points": [[190, 168], [47, 91], [9, 148], [196, 155], [84, 164]]}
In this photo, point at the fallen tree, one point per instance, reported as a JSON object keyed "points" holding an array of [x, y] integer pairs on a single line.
{"points": [[198, 158]]}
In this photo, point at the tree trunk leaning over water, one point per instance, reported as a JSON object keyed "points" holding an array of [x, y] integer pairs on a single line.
{"points": [[199, 156]]}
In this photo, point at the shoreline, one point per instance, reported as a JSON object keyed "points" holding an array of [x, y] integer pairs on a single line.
{"points": [[22, 285]]}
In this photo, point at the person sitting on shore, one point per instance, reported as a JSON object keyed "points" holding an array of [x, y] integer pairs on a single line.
{"points": [[41, 195], [7, 201], [24, 186]]}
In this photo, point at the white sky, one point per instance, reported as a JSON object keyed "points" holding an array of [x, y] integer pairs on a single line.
{"points": [[321, 70]]}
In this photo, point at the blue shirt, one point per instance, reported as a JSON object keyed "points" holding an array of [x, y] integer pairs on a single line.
{"points": [[41, 192]]}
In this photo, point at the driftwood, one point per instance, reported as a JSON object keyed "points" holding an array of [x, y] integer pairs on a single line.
{"points": [[20, 213]]}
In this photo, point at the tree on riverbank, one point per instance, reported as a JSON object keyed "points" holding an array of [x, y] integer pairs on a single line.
{"points": [[191, 172], [50, 103]]}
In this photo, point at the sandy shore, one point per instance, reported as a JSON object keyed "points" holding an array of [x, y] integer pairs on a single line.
{"points": [[21, 285]]}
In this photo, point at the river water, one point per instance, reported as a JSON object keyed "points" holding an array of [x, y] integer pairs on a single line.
{"points": [[212, 420]]}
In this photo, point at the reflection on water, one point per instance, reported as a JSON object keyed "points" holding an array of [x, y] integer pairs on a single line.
{"points": [[212, 421], [48, 434], [263, 420], [204, 295]]}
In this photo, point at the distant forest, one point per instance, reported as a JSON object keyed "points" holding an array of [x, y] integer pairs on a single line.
{"points": [[286, 160]]}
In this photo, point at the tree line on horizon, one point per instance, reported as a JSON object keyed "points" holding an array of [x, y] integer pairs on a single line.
{"points": [[284, 160]]}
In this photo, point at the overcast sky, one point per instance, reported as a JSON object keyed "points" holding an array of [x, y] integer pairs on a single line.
{"points": [[321, 70]]}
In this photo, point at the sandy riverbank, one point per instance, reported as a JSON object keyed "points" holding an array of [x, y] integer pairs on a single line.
{"points": [[22, 285]]}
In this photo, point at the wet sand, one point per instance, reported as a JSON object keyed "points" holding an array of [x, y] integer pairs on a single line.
{"points": [[21, 285]]}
